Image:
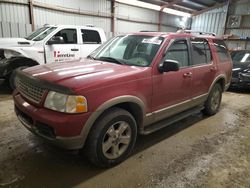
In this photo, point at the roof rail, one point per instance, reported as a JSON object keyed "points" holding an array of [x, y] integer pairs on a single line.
{"points": [[146, 31], [193, 31]]}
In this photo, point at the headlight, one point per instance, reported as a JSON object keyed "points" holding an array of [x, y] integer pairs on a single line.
{"points": [[10, 53], [66, 103]]}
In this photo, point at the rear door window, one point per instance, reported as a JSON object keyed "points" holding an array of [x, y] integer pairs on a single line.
{"points": [[221, 49], [201, 51], [90, 37]]}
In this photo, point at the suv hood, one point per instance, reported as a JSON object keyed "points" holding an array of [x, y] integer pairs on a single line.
{"points": [[15, 42], [85, 74]]}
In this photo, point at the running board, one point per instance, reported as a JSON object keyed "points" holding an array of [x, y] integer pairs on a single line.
{"points": [[168, 121]]}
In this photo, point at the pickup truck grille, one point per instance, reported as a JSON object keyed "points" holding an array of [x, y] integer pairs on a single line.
{"points": [[30, 90]]}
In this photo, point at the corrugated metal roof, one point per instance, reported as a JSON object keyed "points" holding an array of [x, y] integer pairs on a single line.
{"points": [[190, 6]]}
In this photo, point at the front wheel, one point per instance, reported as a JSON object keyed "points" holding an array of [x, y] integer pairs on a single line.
{"points": [[112, 138], [212, 104]]}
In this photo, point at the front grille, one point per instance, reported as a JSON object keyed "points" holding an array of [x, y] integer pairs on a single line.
{"points": [[245, 77], [29, 90]]}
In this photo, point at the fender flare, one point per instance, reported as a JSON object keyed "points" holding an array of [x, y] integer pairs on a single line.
{"points": [[106, 105], [221, 76], [16, 62]]}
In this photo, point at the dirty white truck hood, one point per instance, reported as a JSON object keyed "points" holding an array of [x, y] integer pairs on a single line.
{"points": [[15, 42]]}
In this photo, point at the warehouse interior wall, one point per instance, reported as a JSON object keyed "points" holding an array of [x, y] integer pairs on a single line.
{"points": [[211, 21], [218, 21], [15, 19]]}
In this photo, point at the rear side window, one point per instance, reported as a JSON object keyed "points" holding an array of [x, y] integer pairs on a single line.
{"points": [[178, 51], [90, 37], [201, 51], [221, 49]]}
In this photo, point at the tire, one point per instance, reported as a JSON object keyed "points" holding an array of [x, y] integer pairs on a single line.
{"points": [[213, 102], [13, 75], [111, 139]]}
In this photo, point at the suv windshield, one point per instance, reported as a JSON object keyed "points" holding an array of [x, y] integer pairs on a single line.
{"points": [[138, 50], [40, 33], [240, 56]]}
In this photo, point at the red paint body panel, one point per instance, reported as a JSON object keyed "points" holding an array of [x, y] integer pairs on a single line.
{"points": [[65, 125], [100, 81]]}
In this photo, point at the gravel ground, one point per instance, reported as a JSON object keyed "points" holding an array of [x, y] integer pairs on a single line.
{"points": [[195, 152]]}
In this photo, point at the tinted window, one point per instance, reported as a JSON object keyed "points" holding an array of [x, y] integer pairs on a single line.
{"points": [[221, 50], [69, 36], [201, 51], [178, 51], [240, 56], [90, 36]]}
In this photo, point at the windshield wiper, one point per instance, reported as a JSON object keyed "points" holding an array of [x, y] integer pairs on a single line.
{"points": [[90, 57], [110, 59]]}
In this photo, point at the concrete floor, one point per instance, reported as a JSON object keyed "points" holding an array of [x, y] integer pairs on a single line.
{"points": [[195, 152]]}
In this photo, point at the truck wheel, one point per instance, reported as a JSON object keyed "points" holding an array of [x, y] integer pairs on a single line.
{"points": [[212, 104], [112, 138], [13, 75]]}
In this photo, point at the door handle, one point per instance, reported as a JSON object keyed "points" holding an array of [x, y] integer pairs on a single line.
{"points": [[188, 74], [74, 49]]}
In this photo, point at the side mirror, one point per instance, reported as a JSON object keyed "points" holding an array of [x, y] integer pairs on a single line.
{"points": [[168, 65], [56, 40]]}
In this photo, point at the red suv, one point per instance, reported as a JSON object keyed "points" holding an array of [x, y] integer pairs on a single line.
{"points": [[133, 84]]}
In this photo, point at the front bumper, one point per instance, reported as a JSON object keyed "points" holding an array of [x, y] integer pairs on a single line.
{"points": [[63, 130], [243, 81]]}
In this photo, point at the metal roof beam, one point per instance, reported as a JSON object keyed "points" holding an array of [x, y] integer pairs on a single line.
{"points": [[217, 5], [195, 4]]}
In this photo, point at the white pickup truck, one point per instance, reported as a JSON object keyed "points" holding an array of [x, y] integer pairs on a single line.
{"points": [[51, 43]]}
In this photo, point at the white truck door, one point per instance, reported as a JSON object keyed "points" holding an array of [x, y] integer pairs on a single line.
{"points": [[91, 40], [65, 50]]}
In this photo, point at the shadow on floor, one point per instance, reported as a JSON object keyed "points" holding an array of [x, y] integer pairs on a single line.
{"points": [[239, 90], [53, 167], [43, 165], [5, 89]]}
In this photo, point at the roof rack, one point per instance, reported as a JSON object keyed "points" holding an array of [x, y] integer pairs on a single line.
{"points": [[193, 31], [146, 31]]}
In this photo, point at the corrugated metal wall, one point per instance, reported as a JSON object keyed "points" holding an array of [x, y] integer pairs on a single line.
{"points": [[170, 22], [240, 8], [215, 21], [14, 13], [134, 13], [15, 20], [211, 21], [102, 7]]}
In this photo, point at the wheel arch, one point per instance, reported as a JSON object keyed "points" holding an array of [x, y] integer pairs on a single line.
{"points": [[132, 104], [221, 79], [16, 62]]}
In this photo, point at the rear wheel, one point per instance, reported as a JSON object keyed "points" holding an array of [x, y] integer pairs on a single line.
{"points": [[112, 138], [13, 75], [213, 102]]}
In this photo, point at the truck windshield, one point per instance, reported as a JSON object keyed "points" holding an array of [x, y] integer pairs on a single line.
{"points": [[40, 33], [240, 56], [137, 50]]}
